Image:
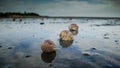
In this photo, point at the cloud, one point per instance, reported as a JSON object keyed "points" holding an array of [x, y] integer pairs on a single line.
{"points": [[112, 2], [64, 7], [77, 8]]}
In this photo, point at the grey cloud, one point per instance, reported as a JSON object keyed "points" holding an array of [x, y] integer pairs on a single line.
{"points": [[112, 2], [64, 8], [76, 8]]}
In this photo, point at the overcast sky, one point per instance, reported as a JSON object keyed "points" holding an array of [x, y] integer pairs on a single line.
{"points": [[94, 8]]}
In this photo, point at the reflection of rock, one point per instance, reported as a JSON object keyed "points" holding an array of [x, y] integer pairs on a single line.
{"points": [[66, 35], [48, 57], [48, 46], [74, 32], [73, 27], [65, 44]]}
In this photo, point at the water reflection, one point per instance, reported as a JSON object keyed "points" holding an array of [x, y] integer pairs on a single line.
{"points": [[65, 44], [48, 57], [74, 32]]}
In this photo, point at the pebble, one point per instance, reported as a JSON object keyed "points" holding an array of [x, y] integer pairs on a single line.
{"points": [[42, 23], [106, 37], [93, 48], [106, 34], [86, 54], [27, 56], [9, 47], [116, 40]]}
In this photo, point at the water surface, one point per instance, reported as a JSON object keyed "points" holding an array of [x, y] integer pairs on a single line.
{"points": [[95, 45]]}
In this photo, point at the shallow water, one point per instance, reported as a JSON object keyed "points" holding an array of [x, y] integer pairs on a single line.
{"points": [[93, 46]]}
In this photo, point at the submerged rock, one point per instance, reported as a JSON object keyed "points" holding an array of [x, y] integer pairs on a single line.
{"points": [[48, 46]]}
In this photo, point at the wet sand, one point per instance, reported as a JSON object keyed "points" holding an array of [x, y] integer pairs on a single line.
{"points": [[95, 45]]}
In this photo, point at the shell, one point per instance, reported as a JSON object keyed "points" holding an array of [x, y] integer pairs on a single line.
{"points": [[66, 35], [73, 27], [48, 46]]}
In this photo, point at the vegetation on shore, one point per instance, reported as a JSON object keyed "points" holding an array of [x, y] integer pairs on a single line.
{"points": [[19, 15]]}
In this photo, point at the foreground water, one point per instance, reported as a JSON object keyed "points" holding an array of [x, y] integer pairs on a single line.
{"points": [[95, 45]]}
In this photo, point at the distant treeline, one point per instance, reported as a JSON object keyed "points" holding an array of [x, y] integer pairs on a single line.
{"points": [[35, 15], [19, 15]]}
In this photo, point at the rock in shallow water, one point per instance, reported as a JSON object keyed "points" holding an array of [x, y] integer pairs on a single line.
{"points": [[42, 23], [27, 56], [9, 47], [116, 40], [86, 54], [93, 48], [73, 27], [66, 35], [48, 46]]}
